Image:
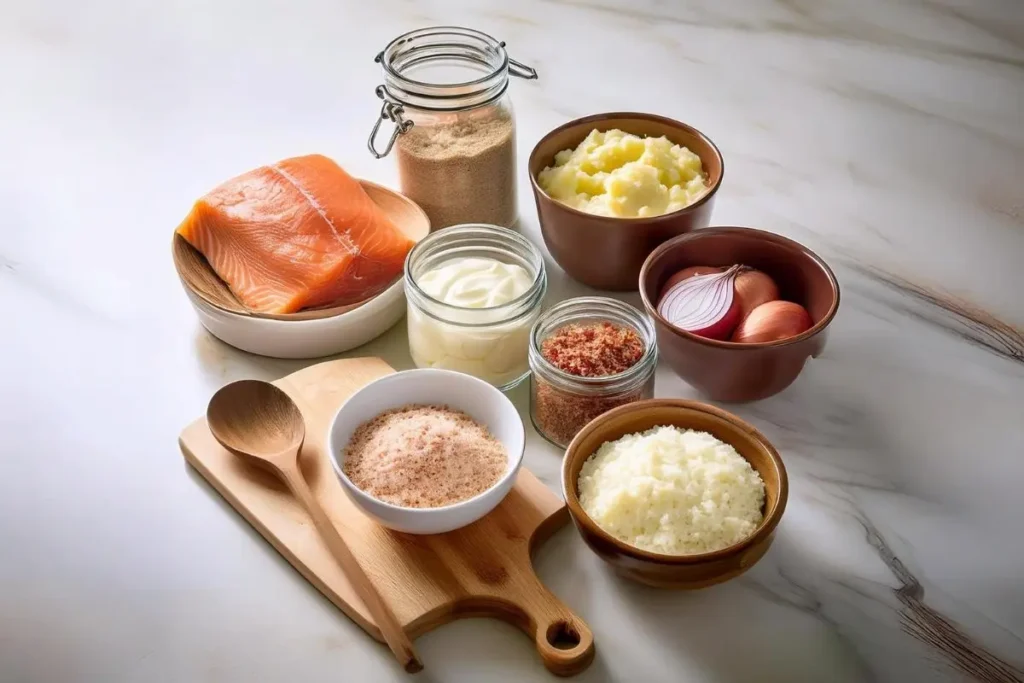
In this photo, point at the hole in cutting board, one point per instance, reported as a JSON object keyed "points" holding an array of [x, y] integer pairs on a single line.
{"points": [[562, 636]]}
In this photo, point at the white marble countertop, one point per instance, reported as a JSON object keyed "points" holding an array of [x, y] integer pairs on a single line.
{"points": [[887, 136]]}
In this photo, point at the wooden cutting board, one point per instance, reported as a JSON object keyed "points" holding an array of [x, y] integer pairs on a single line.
{"points": [[483, 570]]}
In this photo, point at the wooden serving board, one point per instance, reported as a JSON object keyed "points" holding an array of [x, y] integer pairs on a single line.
{"points": [[483, 570]]}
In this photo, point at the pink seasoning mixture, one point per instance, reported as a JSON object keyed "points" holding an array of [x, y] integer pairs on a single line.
{"points": [[422, 456]]}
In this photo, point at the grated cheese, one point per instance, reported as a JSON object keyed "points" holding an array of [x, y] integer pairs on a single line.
{"points": [[672, 491]]}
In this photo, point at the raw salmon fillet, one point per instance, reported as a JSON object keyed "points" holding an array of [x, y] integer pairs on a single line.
{"points": [[297, 234]]}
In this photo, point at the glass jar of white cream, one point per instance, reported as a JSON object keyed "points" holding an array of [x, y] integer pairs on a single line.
{"points": [[473, 292]]}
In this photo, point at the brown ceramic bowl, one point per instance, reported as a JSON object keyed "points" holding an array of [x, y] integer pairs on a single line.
{"points": [[730, 371], [606, 252], [677, 571]]}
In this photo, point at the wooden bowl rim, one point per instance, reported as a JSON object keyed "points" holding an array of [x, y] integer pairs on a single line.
{"points": [[764, 529], [297, 316], [640, 116], [805, 252]]}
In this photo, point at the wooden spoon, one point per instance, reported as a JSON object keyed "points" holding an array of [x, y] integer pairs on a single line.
{"points": [[200, 279], [262, 425]]}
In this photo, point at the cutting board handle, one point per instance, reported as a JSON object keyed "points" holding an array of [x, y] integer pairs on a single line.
{"points": [[563, 640]]}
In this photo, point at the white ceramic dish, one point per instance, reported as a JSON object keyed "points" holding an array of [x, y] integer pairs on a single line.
{"points": [[477, 398], [304, 338]]}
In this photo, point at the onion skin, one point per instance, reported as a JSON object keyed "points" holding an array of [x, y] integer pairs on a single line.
{"points": [[773, 321], [754, 288], [688, 273]]}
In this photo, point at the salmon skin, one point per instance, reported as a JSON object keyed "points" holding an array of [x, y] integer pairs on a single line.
{"points": [[301, 233]]}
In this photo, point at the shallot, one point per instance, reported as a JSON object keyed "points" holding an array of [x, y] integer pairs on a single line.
{"points": [[773, 321], [754, 288], [704, 305]]}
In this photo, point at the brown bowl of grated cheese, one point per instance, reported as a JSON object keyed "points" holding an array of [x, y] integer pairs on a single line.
{"points": [[707, 495]]}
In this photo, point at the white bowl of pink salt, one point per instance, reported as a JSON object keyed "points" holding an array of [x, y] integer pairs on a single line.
{"points": [[426, 451]]}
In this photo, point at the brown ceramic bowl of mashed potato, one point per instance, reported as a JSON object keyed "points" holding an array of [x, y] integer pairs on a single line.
{"points": [[688, 571], [742, 371], [607, 252]]}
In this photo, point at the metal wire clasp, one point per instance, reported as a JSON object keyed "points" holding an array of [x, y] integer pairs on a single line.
{"points": [[519, 69], [390, 111]]}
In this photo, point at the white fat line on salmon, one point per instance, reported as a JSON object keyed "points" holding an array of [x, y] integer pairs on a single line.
{"points": [[343, 238]]}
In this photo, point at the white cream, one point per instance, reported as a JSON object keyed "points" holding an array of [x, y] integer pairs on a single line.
{"points": [[471, 338], [475, 282]]}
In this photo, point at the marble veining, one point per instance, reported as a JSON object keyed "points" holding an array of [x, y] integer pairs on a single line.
{"points": [[885, 134], [951, 314]]}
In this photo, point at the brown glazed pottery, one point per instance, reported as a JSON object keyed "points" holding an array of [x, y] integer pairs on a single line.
{"points": [[730, 371], [677, 571], [606, 252]]}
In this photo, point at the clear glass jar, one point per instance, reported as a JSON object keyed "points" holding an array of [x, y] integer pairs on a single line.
{"points": [[561, 404], [446, 90], [491, 342]]}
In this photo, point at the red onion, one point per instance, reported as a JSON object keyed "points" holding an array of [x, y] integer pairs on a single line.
{"points": [[705, 305], [686, 274]]}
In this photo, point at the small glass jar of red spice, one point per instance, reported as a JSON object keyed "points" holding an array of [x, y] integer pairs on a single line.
{"points": [[587, 356]]}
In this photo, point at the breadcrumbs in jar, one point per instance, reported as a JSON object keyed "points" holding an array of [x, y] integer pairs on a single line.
{"points": [[588, 355], [445, 92]]}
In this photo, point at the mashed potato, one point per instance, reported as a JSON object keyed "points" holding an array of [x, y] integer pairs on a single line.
{"points": [[672, 491], [619, 174]]}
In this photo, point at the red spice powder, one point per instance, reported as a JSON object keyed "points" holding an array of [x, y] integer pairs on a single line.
{"points": [[593, 350], [560, 414], [424, 457]]}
